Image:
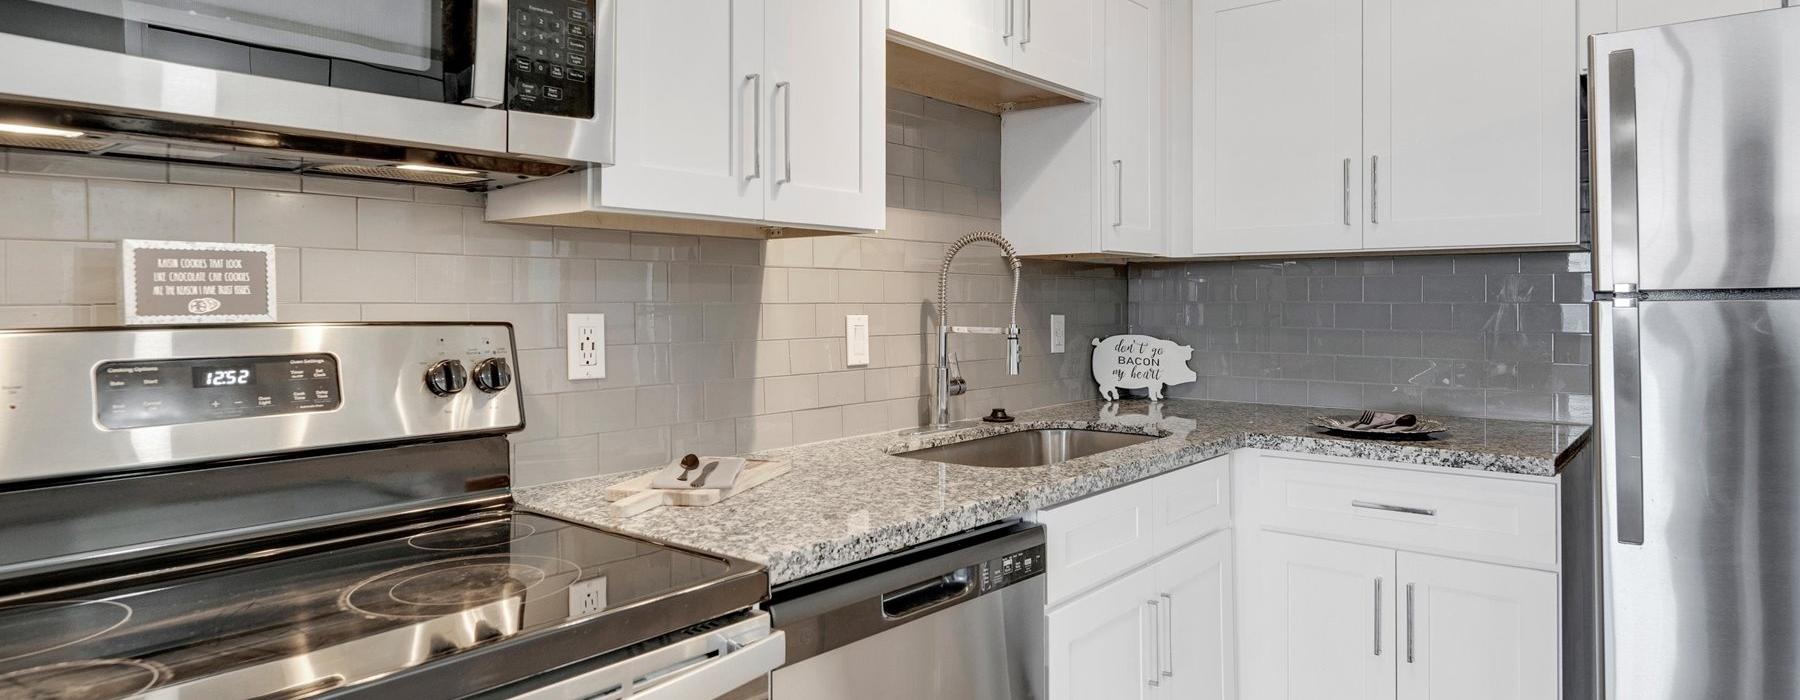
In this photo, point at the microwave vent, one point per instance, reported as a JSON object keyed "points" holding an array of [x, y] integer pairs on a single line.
{"points": [[386, 172], [54, 143]]}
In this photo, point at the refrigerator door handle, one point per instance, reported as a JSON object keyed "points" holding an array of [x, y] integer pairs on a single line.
{"points": [[1625, 462], [1620, 172]]}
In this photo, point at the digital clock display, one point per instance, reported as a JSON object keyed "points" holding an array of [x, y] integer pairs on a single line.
{"points": [[223, 376]]}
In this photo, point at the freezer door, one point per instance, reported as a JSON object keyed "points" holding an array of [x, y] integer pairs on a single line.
{"points": [[1696, 157], [1699, 429]]}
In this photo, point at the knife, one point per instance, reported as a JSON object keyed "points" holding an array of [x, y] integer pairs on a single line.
{"points": [[706, 471]]}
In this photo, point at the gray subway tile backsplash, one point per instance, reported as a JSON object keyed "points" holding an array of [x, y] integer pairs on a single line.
{"points": [[1501, 335]]}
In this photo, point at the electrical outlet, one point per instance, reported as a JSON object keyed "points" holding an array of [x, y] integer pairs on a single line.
{"points": [[1056, 333], [587, 346], [587, 597], [856, 340]]}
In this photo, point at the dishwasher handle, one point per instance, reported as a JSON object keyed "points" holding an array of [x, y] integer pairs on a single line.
{"points": [[928, 595]]}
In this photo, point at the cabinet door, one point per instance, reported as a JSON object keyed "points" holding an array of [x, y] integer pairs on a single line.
{"points": [[686, 96], [1321, 621], [1102, 643], [1059, 42], [1277, 114], [1190, 502], [1471, 123], [1097, 538], [1196, 651], [1133, 126], [979, 28], [824, 97], [1475, 631]]}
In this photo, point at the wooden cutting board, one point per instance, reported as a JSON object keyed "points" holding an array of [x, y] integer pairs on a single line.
{"points": [[633, 496]]}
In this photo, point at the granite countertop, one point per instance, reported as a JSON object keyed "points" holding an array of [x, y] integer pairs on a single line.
{"points": [[848, 500]]}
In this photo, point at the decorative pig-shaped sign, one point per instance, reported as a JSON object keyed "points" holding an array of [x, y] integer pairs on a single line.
{"points": [[1140, 362]]}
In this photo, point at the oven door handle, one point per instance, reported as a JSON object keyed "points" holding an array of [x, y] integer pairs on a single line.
{"points": [[487, 85], [704, 666]]}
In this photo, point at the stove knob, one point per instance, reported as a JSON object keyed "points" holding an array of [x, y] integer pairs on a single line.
{"points": [[446, 377], [492, 375]]}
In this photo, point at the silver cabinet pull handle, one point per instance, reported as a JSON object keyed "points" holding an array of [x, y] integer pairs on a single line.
{"points": [[1374, 189], [787, 132], [755, 80], [1009, 21], [1346, 191], [1118, 193], [1409, 623], [1156, 639], [1025, 37], [1168, 629], [1378, 616], [1393, 508]]}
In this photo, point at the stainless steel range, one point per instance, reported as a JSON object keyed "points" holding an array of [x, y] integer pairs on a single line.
{"points": [[291, 511]]}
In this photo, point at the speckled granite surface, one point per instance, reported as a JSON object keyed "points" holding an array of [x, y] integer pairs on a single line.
{"points": [[848, 500]]}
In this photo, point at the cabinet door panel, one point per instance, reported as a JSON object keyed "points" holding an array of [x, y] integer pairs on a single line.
{"points": [[1321, 622], [1475, 631], [1101, 644], [978, 28], [1133, 116], [1096, 538], [685, 108], [1471, 123], [1278, 102], [1198, 663], [1190, 503], [1059, 41], [824, 98]]}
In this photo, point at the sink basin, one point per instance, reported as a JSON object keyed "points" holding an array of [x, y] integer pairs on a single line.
{"points": [[1028, 448]]}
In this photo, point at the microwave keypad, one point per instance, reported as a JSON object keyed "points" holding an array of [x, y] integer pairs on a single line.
{"points": [[551, 45]]}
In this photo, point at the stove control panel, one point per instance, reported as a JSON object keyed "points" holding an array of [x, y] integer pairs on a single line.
{"points": [[1012, 568], [144, 393]]}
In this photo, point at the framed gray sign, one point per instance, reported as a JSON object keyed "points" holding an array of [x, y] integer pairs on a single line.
{"points": [[196, 282]]}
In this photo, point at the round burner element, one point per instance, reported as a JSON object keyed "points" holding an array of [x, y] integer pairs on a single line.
{"points": [[34, 628], [448, 586], [103, 678], [480, 536]]}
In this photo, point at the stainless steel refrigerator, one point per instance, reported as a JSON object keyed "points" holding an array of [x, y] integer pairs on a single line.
{"points": [[1682, 532]]}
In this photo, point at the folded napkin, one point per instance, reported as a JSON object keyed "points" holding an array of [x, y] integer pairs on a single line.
{"points": [[709, 473]]}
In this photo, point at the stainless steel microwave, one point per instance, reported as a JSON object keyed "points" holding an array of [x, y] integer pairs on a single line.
{"points": [[506, 86]]}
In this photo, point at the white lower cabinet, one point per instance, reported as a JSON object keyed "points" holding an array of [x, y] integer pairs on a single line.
{"points": [[1341, 620], [1162, 631]]}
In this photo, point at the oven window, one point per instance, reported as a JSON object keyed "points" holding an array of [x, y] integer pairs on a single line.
{"points": [[393, 47]]}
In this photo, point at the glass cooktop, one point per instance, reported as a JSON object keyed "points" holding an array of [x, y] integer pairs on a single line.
{"points": [[306, 624]]}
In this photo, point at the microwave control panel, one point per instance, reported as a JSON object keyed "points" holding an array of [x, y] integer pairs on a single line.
{"points": [[551, 56], [144, 393]]}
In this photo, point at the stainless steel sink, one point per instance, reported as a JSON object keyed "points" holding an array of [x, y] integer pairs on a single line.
{"points": [[1028, 448]]}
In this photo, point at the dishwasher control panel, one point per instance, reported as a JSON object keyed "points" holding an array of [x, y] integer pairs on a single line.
{"points": [[1012, 568]]}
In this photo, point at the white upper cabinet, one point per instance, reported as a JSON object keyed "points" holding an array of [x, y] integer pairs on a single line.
{"points": [[1059, 41], [734, 115], [1321, 125], [1052, 42], [826, 100], [1084, 179], [1277, 103], [1470, 124], [982, 29], [688, 76]]}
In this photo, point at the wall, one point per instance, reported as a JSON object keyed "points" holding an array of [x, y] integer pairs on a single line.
{"points": [[714, 345], [1499, 335]]}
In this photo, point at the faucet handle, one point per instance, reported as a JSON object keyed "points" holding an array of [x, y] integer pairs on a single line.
{"points": [[958, 385]]}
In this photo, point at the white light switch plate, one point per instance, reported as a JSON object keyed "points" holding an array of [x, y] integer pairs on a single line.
{"points": [[856, 340], [587, 346], [1056, 333]]}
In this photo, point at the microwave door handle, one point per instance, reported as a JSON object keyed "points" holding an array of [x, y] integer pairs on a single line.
{"points": [[487, 84]]}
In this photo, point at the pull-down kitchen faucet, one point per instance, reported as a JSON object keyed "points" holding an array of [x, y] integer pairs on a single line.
{"points": [[947, 384]]}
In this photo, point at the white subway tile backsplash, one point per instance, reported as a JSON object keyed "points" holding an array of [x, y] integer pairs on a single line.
{"points": [[355, 275], [241, 178], [465, 278], [296, 219], [348, 187], [91, 167], [158, 211], [587, 243], [59, 272], [407, 226], [551, 279], [624, 280], [481, 237], [415, 312], [43, 208]]}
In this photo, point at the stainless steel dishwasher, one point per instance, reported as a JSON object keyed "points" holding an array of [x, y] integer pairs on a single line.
{"points": [[953, 619]]}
